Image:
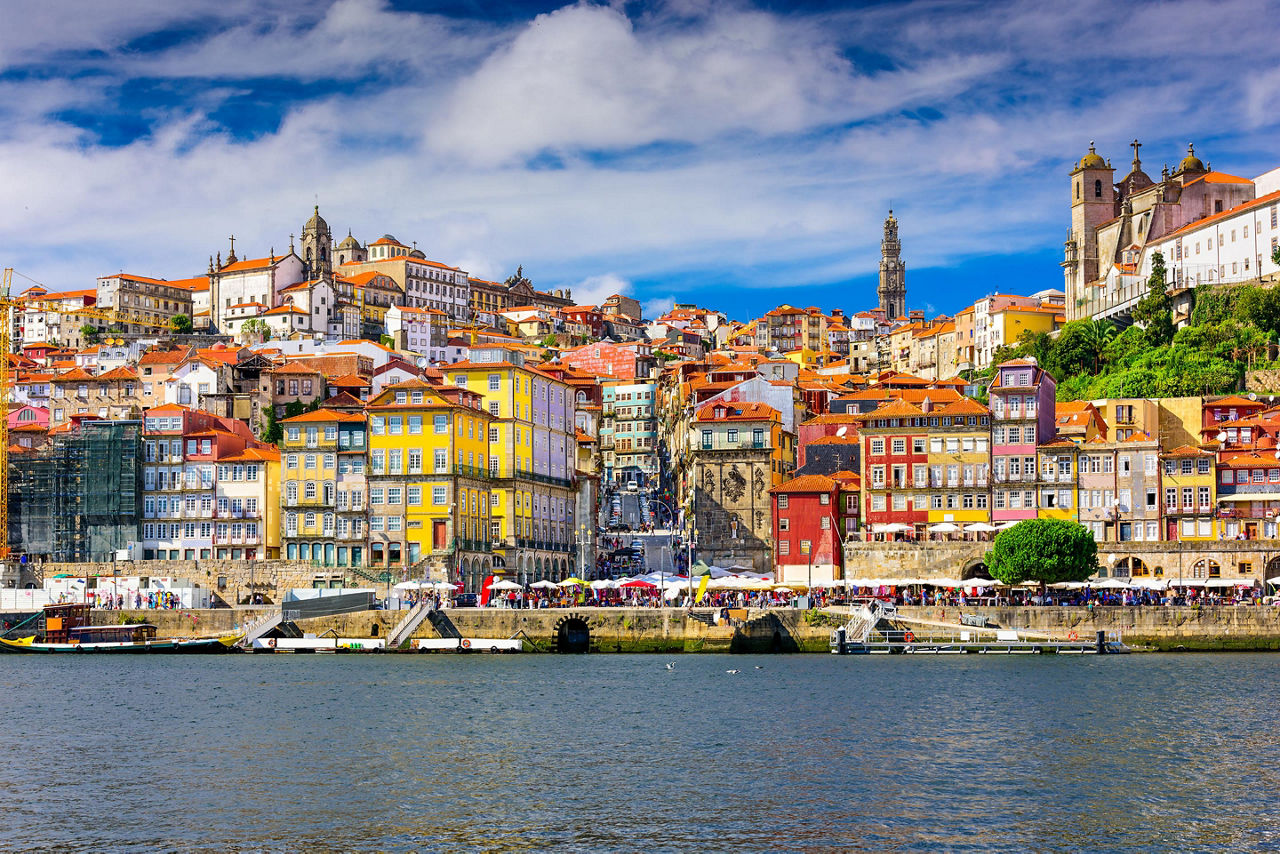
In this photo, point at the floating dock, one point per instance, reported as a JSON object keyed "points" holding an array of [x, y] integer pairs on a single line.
{"points": [[875, 627]]}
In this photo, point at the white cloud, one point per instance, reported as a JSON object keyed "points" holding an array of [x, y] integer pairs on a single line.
{"points": [[596, 289], [658, 306], [782, 137]]}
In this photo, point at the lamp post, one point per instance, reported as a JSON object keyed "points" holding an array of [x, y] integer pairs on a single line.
{"points": [[692, 541]]}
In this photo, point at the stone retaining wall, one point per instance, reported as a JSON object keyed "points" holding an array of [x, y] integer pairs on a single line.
{"points": [[671, 630]]}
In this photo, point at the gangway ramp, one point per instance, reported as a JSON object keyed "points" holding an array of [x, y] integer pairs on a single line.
{"points": [[407, 626]]}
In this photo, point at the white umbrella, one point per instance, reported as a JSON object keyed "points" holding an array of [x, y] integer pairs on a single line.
{"points": [[1111, 584], [943, 528], [409, 585], [975, 583], [444, 586], [505, 585], [1275, 579], [783, 590], [981, 527], [1067, 585], [544, 585], [943, 582], [1222, 583], [1004, 526], [601, 584], [1191, 582], [1150, 584]]}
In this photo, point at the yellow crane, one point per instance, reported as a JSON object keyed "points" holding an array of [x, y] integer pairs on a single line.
{"points": [[8, 303]]}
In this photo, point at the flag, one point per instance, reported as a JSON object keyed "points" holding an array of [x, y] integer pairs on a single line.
{"points": [[702, 587]]}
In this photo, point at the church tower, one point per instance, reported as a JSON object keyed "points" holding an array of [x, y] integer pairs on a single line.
{"points": [[1093, 202], [893, 273], [316, 245]]}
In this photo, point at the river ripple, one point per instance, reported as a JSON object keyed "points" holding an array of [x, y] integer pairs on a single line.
{"points": [[615, 753]]}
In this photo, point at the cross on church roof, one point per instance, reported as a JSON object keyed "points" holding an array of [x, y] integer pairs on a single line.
{"points": [[1135, 145]]}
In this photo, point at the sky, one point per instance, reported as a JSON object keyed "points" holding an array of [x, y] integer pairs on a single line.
{"points": [[730, 154]]}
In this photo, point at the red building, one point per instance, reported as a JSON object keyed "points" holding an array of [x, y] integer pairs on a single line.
{"points": [[611, 360], [842, 425], [807, 542], [895, 470], [587, 316]]}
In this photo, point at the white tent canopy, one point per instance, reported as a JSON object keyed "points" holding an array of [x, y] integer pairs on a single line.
{"points": [[980, 527], [943, 528]]}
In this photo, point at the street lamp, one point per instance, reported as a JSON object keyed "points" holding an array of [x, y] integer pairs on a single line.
{"points": [[693, 541]]}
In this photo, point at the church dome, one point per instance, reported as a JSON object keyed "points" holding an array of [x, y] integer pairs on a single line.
{"points": [[1191, 163], [316, 223], [1092, 160], [349, 242]]}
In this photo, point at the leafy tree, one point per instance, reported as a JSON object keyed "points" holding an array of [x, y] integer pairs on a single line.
{"points": [[294, 408], [387, 341], [181, 324], [1043, 550], [1259, 307], [1097, 335], [271, 430], [1155, 310], [90, 333], [255, 330]]}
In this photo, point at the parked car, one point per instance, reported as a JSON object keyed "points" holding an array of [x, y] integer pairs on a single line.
{"points": [[466, 600]]}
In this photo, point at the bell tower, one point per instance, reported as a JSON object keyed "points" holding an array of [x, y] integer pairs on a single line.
{"points": [[316, 244], [892, 290], [1093, 202]]}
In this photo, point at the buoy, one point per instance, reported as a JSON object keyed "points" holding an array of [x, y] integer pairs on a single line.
{"points": [[1072, 636], [466, 643], [271, 643], [909, 637]]}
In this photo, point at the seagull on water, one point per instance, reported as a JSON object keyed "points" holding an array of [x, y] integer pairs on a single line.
{"points": [[758, 667], [733, 671], [671, 665]]}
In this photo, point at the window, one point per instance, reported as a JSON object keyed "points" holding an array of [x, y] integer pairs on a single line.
{"points": [[438, 496], [782, 502], [877, 447], [899, 446], [784, 524], [824, 499], [415, 425]]}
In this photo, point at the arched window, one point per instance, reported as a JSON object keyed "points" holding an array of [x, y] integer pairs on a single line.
{"points": [[1097, 189], [582, 397]]}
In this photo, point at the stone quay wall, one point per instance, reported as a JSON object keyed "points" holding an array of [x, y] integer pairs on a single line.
{"points": [[671, 630]]}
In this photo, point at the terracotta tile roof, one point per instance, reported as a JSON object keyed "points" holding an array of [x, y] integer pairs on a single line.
{"points": [[1261, 201], [167, 409], [897, 408], [806, 483], [257, 454], [121, 373], [252, 264], [75, 375], [963, 406], [1187, 451], [848, 418], [1236, 401], [349, 381], [737, 412], [322, 415], [850, 439]]}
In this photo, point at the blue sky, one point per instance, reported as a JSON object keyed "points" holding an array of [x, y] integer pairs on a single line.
{"points": [[730, 154]]}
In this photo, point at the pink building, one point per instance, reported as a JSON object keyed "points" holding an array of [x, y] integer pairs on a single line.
{"points": [[1022, 414]]}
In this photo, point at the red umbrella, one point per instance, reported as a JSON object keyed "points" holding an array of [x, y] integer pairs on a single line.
{"points": [[643, 585]]}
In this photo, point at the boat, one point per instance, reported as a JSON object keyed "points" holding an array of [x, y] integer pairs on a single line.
{"points": [[65, 632]]}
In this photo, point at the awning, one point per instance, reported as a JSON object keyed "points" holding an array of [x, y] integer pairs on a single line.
{"points": [[1251, 496]]}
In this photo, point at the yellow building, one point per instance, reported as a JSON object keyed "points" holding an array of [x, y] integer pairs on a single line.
{"points": [[374, 294], [429, 479], [1059, 497], [533, 451], [959, 463], [323, 499], [1190, 494]]}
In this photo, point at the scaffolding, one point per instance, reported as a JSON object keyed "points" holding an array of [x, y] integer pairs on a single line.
{"points": [[78, 498]]}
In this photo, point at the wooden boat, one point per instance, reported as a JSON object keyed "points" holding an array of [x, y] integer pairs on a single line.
{"points": [[65, 632]]}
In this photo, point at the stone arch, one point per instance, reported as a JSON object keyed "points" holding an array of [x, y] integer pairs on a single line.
{"points": [[976, 569], [572, 635], [1273, 568], [1206, 568], [1129, 567]]}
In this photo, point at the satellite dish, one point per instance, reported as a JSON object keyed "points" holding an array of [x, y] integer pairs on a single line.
{"points": [[1252, 396], [842, 431], [1222, 436]]}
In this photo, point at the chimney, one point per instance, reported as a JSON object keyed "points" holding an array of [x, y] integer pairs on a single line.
{"points": [[926, 405]]}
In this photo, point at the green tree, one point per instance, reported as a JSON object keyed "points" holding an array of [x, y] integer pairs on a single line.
{"points": [[1155, 310], [1097, 335], [271, 430], [255, 331], [387, 341], [1043, 550], [181, 324], [90, 333]]}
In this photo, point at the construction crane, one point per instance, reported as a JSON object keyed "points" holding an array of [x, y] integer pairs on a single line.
{"points": [[8, 303]]}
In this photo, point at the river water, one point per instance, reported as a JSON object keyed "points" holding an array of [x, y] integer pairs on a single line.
{"points": [[616, 753]]}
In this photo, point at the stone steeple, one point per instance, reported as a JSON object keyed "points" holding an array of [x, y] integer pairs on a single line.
{"points": [[893, 272]]}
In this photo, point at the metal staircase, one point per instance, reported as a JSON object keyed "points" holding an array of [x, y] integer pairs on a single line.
{"points": [[256, 630], [407, 626]]}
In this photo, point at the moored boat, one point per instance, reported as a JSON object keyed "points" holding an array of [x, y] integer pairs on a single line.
{"points": [[64, 633]]}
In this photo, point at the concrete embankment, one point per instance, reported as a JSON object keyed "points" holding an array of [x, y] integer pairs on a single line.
{"points": [[673, 630]]}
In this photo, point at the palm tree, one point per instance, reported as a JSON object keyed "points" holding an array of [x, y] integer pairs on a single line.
{"points": [[1097, 335]]}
